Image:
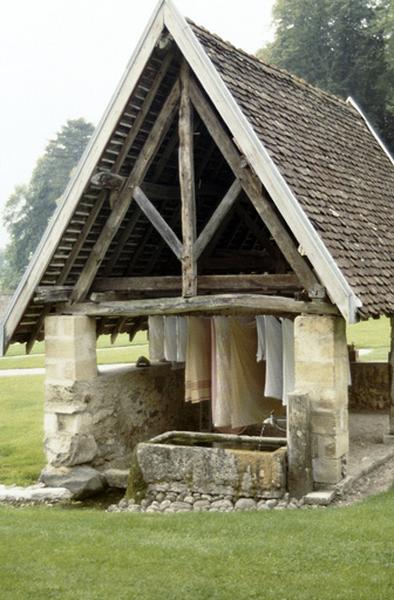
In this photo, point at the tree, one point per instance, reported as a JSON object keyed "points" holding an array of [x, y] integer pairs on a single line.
{"points": [[30, 206], [343, 46]]}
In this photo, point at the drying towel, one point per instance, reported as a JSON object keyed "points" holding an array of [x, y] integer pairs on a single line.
{"points": [[246, 374], [273, 349], [288, 359], [221, 368], [198, 360], [181, 339], [260, 338], [156, 338], [170, 337]]}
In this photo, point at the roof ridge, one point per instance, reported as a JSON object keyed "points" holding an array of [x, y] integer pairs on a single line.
{"points": [[283, 72]]}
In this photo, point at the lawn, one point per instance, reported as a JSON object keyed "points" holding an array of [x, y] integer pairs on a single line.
{"points": [[21, 429], [328, 554], [372, 334]]}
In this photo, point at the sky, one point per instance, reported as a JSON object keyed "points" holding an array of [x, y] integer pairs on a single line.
{"points": [[62, 59]]}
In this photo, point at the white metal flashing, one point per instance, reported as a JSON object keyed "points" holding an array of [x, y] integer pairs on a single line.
{"points": [[353, 103], [254, 150]]}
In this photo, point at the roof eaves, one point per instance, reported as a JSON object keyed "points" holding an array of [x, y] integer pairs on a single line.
{"points": [[332, 277]]}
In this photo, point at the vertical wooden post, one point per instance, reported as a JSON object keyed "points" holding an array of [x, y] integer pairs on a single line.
{"points": [[186, 180], [299, 445]]}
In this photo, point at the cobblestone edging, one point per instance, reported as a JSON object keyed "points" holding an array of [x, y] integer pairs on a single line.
{"points": [[170, 502]]}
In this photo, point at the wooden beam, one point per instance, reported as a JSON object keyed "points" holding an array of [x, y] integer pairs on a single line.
{"points": [[215, 304], [217, 218], [287, 281], [122, 204], [186, 180], [252, 186], [155, 218]]}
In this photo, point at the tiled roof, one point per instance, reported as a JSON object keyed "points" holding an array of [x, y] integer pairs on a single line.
{"points": [[337, 170]]}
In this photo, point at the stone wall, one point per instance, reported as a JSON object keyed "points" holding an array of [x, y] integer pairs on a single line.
{"points": [[370, 387], [99, 422]]}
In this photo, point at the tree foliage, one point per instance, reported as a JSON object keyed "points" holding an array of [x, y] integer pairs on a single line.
{"points": [[343, 46], [30, 206]]}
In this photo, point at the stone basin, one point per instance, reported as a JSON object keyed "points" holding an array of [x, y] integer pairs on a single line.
{"points": [[217, 464]]}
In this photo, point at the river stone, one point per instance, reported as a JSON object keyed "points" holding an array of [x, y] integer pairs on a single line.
{"points": [[81, 481], [271, 503], [245, 504], [181, 506], [165, 504], [222, 505], [201, 505], [189, 499]]}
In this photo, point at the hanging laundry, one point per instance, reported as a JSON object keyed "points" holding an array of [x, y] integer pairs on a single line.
{"points": [[273, 350], [246, 374], [198, 360], [260, 338], [221, 368], [181, 339], [170, 338], [156, 338], [288, 359]]}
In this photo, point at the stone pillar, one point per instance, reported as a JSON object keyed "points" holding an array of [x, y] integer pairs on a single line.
{"points": [[321, 371], [70, 357], [389, 438]]}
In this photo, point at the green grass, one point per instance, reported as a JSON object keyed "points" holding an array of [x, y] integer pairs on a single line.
{"points": [[21, 429], [290, 555], [372, 334]]}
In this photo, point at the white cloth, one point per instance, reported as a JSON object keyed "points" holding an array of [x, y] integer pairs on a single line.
{"points": [[273, 350], [156, 338], [260, 338], [221, 368], [181, 339], [170, 338], [288, 359]]}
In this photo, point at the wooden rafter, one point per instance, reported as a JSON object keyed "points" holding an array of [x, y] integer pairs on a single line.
{"points": [[217, 218], [252, 187], [155, 218], [125, 195], [186, 180]]}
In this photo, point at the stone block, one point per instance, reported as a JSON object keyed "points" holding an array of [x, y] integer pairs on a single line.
{"points": [[68, 450], [320, 498], [76, 423], [321, 331], [326, 470], [82, 482], [313, 376], [331, 446], [50, 423]]}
